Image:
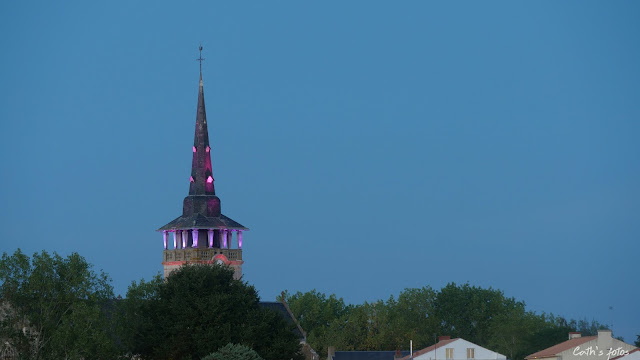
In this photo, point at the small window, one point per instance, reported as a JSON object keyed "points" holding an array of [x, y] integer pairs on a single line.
{"points": [[471, 353], [449, 353]]}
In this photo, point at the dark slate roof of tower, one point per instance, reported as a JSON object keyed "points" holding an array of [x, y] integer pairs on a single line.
{"points": [[199, 221], [201, 171], [201, 208]]}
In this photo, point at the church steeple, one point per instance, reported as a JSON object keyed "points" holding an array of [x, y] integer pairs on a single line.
{"points": [[201, 172], [202, 234]]}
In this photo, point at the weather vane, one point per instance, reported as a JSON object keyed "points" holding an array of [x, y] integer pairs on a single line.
{"points": [[200, 58]]}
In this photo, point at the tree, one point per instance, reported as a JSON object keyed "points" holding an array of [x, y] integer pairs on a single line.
{"points": [[511, 332], [637, 343], [469, 312], [129, 314], [483, 316], [55, 307], [414, 314], [233, 352], [199, 309], [315, 312]]}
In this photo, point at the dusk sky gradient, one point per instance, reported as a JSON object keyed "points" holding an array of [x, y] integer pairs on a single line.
{"points": [[369, 146]]}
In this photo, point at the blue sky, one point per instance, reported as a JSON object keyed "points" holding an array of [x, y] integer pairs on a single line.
{"points": [[369, 146]]}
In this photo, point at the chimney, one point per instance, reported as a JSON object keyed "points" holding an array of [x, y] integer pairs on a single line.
{"points": [[574, 335], [444, 337], [331, 352], [605, 333]]}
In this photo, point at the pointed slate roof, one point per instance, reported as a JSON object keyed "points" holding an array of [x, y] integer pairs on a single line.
{"points": [[201, 172], [201, 208]]}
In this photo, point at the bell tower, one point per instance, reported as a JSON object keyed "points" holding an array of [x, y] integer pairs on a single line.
{"points": [[202, 234]]}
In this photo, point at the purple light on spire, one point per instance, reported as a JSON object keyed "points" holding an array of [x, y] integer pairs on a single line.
{"points": [[209, 180], [190, 178], [194, 149]]}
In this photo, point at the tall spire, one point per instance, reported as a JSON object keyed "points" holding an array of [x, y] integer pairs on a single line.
{"points": [[201, 171], [201, 207], [202, 225]]}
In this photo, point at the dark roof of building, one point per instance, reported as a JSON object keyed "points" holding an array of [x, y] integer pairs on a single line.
{"points": [[563, 346], [367, 355], [199, 221], [282, 309]]}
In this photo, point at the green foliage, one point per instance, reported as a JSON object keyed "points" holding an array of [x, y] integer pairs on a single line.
{"points": [[233, 352], [315, 311], [637, 343], [483, 316], [587, 328], [55, 307], [129, 315], [468, 311], [199, 309]]}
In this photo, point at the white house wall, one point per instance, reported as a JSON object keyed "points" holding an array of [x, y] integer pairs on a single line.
{"points": [[460, 347]]}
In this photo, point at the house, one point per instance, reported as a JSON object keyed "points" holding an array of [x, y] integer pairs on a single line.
{"points": [[631, 355], [577, 347], [454, 349]]}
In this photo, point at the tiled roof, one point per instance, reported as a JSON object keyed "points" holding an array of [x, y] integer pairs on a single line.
{"points": [[438, 345], [563, 346]]}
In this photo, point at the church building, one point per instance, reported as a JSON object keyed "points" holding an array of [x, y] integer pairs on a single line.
{"points": [[202, 234]]}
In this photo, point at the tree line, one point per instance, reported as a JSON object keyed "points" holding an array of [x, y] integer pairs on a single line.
{"points": [[54, 307], [483, 316], [59, 308]]}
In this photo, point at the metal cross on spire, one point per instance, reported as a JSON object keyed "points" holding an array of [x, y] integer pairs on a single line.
{"points": [[200, 59]]}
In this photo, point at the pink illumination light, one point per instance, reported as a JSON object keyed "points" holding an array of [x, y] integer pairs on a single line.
{"points": [[190, 178], [239, 239], [224, 238], [194, 149], [209, 180], [208, 149], [194, 235]]}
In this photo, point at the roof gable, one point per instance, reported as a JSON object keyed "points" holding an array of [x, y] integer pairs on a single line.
{"points": [[435, 346], [563, 346]]}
